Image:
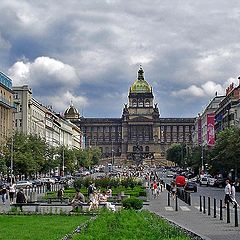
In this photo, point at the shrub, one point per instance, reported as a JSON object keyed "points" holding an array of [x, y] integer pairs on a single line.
{"points": [[132, 203]]}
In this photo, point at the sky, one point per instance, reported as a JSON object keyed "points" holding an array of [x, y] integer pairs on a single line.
{"points": [[89, 52]]}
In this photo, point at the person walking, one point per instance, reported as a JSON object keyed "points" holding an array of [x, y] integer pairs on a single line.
{"points": [[173, 189], [12, 191], [233, 194], [228, 192], [21, 198], [4, 194]]}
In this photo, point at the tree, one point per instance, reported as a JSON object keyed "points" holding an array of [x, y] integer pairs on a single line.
{"points": [[175, 154], [226, 152]]}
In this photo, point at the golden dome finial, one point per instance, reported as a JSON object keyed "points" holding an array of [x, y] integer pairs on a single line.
{"points": [[140, 73]]}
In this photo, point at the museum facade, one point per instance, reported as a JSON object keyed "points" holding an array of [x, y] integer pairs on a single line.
{"points": [[140, 134]]}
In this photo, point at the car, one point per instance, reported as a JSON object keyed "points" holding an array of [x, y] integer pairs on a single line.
{"points": [[203, 181], [211, 181], [36, 182], [220, 182], [190, 186], [23, 184]]}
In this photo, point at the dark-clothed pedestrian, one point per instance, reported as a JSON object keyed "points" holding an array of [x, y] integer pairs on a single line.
{"points": [[21, 198]]}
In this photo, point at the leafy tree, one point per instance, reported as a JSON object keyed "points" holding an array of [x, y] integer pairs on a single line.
{"points": [[175, 154], [226, 152]]}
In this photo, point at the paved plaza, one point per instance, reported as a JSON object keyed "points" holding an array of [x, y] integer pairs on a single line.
{"points": [[187, 217]]}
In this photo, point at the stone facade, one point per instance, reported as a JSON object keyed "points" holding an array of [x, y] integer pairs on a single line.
{"points": [[140, 134]]}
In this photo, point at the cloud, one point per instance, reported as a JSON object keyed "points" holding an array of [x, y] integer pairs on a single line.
{"points": [[92, 49], [206, 90], [43, 72], [51, 80]]}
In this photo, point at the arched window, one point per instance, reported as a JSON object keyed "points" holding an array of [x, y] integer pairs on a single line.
{"points": [[134, 103], [147, 103], [140, 103], [147, 149]]}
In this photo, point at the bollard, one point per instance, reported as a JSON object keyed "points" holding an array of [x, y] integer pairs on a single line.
{"points": [[209, 207], [214, 208], [204, 205], [200, 203], [176, 203], [228, 213], [221, 215], [236, 215], [168, 198]]}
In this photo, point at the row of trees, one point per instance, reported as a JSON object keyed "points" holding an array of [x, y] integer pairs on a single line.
{"points": [[32, 155], [223, 157]]}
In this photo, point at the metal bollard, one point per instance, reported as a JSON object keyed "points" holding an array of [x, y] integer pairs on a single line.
{"points": [[209, 206], [236, 215], [204, 205], [176, 203], [221, 215], [200, 203], [214, 208], [228, 213], [168, 198]]}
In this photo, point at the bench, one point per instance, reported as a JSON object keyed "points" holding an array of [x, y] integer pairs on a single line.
{"points": [[61, 200]]}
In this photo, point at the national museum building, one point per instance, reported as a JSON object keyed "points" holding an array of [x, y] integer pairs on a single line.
{"points": [[140, 134]]}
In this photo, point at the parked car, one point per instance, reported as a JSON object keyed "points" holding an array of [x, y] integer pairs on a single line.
{"points": [[23, 184], [203, 181], [191, 186]]}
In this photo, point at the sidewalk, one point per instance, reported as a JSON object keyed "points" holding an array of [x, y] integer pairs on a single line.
{"points": [[190, 218]]}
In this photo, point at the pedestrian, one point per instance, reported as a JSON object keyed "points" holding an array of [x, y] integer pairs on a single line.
{"points": [[155, 187], [233, 194], [4, 194], [48, 186], [78, 200], [173, 189], [21, 198], [12, 191], [91, 189], [228, 192], [60, 194]]}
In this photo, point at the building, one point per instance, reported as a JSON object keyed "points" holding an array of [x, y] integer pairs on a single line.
{"points": [[140, 134], [32, 117], [6, 109], [228, 113]]}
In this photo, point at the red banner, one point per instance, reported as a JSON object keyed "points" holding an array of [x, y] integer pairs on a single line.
{"points": [[210, 129]]}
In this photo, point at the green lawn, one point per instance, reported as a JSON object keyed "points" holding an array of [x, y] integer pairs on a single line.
{"points": [[38, 227], [132, 225]]}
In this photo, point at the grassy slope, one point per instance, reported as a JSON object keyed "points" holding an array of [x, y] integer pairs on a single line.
{"points": [[130, 225], [38, 227]]}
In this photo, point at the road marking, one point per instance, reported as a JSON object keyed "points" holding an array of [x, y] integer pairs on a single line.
{"points": [[169, 208], [184, 208]]}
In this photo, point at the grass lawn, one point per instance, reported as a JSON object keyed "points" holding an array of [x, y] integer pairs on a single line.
{"points": [[132, 225], [38, 227]]}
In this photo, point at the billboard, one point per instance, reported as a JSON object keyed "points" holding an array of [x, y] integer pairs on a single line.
{"points": [[210, 129]]}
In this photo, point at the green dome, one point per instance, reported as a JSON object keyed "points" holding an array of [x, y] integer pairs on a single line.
{"points": [[140, 85]]}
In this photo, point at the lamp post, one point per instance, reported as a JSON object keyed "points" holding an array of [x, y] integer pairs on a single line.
{"points": [[11, 165]]}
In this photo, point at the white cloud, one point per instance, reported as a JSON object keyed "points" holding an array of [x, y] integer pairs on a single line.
{"points": [[43, 71], [206, 90]]}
